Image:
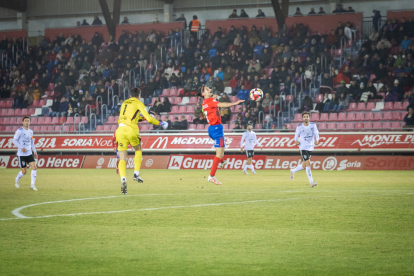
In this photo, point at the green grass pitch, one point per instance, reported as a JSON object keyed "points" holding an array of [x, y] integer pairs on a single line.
{"points": [[176, 223]]}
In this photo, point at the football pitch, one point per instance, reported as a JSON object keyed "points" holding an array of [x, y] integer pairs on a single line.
{"points": [[176, 223]]}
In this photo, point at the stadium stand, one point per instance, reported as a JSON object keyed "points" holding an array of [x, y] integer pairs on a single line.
{"points": [[349, 82]]}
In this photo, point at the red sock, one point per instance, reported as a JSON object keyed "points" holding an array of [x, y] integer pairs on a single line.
{"points": [[222, 160], [216, 161], [117, 162]]}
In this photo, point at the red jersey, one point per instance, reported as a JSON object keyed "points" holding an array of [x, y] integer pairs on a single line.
{"points": [[211, 111]]}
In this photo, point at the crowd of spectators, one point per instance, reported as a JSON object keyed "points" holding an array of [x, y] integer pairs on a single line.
{"points": [[237, 58]]}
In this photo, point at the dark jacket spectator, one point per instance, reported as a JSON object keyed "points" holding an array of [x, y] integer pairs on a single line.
{"points": [[96, 21], [409, 118]]}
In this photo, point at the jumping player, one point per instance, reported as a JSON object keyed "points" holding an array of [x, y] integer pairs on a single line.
{"points": [[249, 136], [306, 137], [215, 130], [26, 152], [128, 133]]}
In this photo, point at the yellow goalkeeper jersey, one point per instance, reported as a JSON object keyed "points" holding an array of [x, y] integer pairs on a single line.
{"points": [[129, 114]]}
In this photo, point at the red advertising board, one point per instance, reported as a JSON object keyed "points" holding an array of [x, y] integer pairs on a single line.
{"points": [[109, 162], [47, 161], [326, 163], [372, 141]]}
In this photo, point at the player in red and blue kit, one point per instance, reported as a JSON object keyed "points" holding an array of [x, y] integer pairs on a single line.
{"points": [[215, 130]]}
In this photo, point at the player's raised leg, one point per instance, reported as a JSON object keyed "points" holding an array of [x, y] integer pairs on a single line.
{"points": [[137, 163], [217, 159], [33, 175], [295, 170]]}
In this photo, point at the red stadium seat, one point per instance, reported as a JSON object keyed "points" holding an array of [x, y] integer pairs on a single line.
{"points": [[200, 127], [50, 128], [352, 106], [182, 109], [322, 126], [359, 125], [377, 125], [314, 117], [4, 112], [333, 117], [58, 128], [165, 92], [1, 120], [193, 100], [47, 121], [41, 120], [192, 126], [107, 128], [233, 98], [361, 107], [180, 91], [35, 103], [43, 128], [111, 120], [174, 92], [318, 98], [13, 121], [25, 112], [190, 109], [340, 126], [188, 118], [397, 106], [350, 117], [113, 128], [377, 116], [388, 106], [2, 104], [386, 125], [51, 87], [69, 120], [33, 120], [17, 112], [290, 98], [84, 119], [367, 125], [31, 111], [369, 116], [359, 116], [225, 126], [76, 119], [298, 117], [174, 109], [370, 106], [144, 127], [342, 117], [2, 129], [9, 129], [62, 120], [258, 126], [396, 116], [177, 100], [387, 116], [331, 126], [349, 126], [396, 125], [206, 126], [10, 112], [99, 128], [324, 117], [405, 105], [36, 129]]}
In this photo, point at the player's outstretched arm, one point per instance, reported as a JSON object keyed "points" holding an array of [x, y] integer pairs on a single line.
{"points": [[34, 148], [229, 104], [146, 115]]}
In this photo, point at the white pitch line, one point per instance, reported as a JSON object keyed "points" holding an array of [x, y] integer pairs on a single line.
{"points": [[20, 216]]}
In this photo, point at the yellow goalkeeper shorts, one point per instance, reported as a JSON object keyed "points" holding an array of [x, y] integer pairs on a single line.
{"points": [[126, 135]]}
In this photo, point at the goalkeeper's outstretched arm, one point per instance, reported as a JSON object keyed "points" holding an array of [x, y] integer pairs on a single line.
{"points": [[146, 115]]}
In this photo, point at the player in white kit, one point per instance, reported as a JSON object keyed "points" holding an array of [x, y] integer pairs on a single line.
{"points": [[306, 137], [26, 152], [250, 140]]}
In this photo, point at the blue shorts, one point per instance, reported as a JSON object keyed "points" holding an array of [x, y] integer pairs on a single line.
{"points": [[217, 134], [117, 154]]}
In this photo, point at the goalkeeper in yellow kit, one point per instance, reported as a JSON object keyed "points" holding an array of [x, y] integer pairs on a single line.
{"points": [[128, 133]]}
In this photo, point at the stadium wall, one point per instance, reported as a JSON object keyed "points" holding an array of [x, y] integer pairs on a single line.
{"points": [[235, 162]]}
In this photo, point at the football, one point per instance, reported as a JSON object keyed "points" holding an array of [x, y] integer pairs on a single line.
{"points": [[256, 94]]}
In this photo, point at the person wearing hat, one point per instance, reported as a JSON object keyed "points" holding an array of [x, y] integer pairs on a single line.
{"points": [[396, 93], [233, 14], [298, 13], [243, 14], [249, 139], [307, 103]]}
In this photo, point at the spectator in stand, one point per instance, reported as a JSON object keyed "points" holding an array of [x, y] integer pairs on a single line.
{"points": [[183, 123], [176, 125], [194, 26], [84, 23], [54, 110], [327, 80], [220, 73], [260, 13], [307, 103], [395, 94], [312, 11], [96, 21], [409, 118], [125, 21], [236, 127], [384, 43], [350, 9], [331, 104], [354, 92], [298, 13], [405, 43], [243, 14], [4, 91], [376, 19], [169, 123], [158, 127], [267, 102], [321, 11], [233, 14], [339, 9], [218, 85], [343, 103], [182, 19], [243, 94], [321, 105]]}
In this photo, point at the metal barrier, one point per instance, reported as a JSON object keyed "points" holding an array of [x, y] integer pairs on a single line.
{"points": [[302, 78], [165, 50], [9, 62], [112, 92], [86, 109], [3, 56], [63, 128], [300, 99], [14, 51], [312, 90], [17, 56], [324, 61], [74, 120], [79, 127], [258, 119], [291, 110], [179, 49], [125, 95], [278, 117], [314, 71], [131, 77], [90, 121], [102, 112], [293, 85]]}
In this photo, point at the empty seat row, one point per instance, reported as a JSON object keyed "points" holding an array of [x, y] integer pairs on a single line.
{"points": [[17, 112], [36, 129], [356, 126], [182, 109], [352, 116], [175, 100], [168, 92]]}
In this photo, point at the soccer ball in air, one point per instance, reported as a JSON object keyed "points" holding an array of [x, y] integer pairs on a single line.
{"points": [[256, 94]]}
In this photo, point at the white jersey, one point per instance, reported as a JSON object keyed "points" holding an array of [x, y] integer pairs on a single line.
{"points": [[251, 140], [307, 135], [24, 139]]}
